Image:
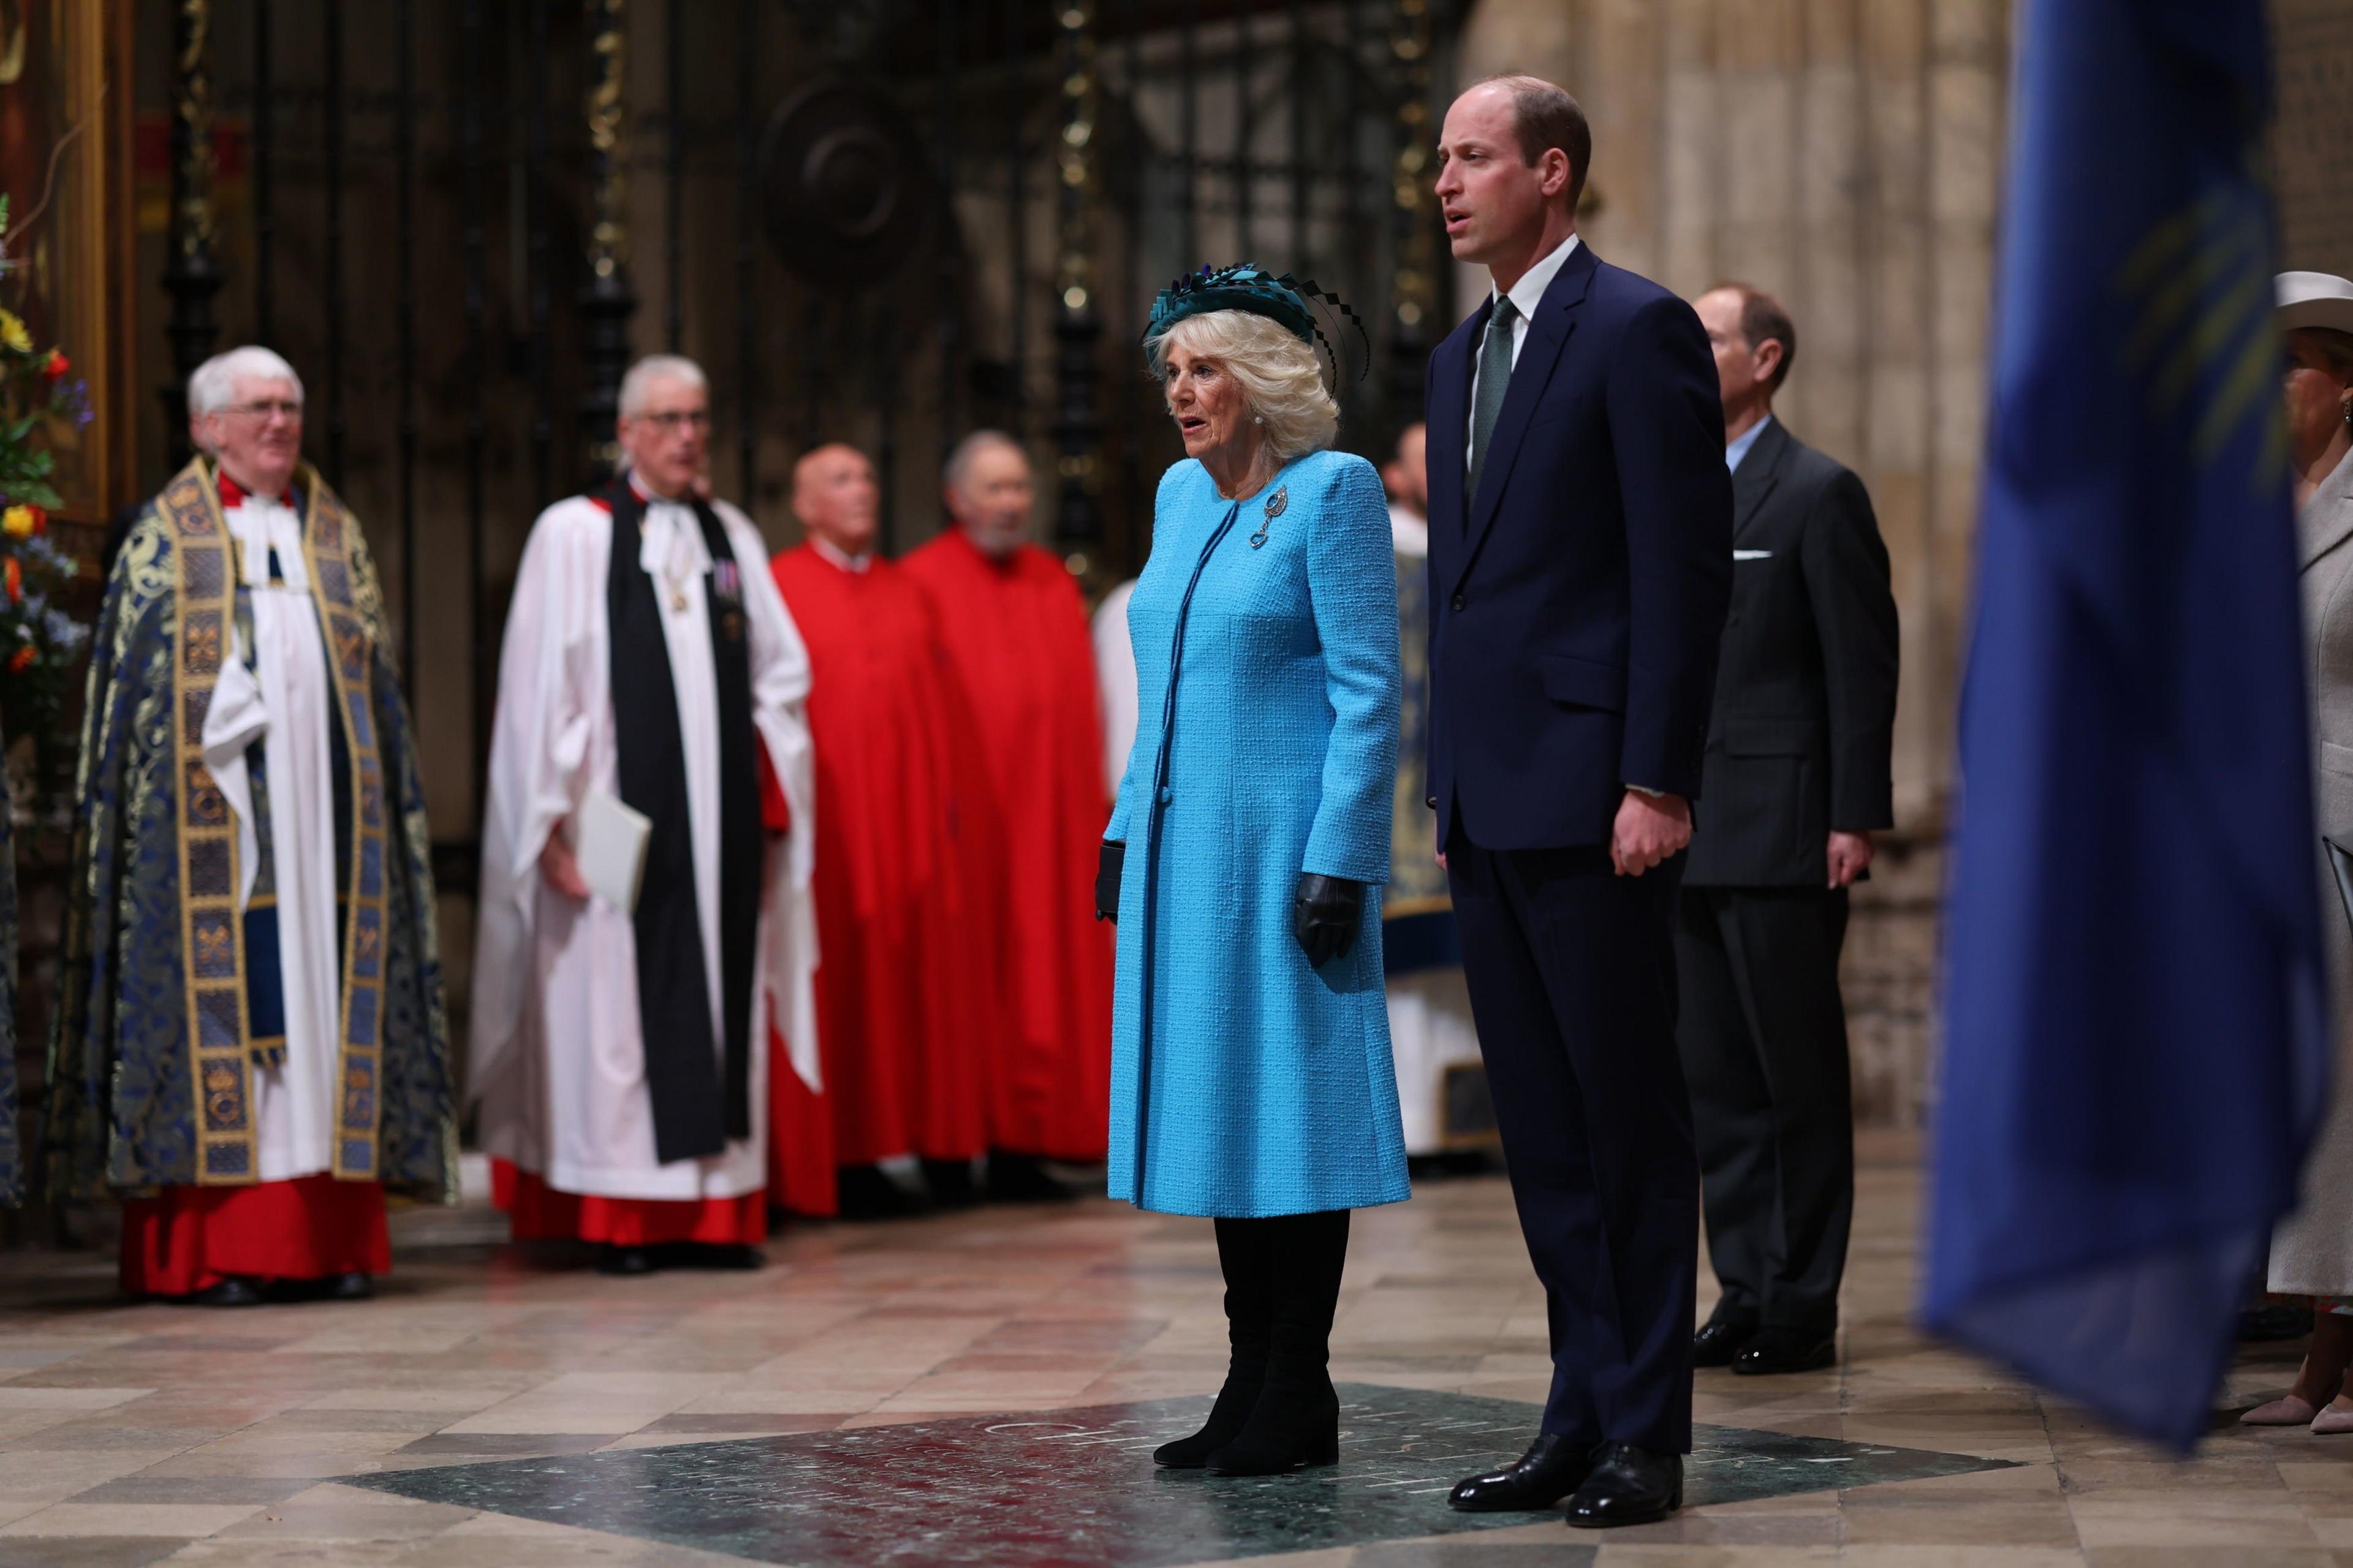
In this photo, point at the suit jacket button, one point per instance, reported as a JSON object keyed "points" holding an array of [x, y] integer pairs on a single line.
{"points": [[1432, 802], [1458, 602]]}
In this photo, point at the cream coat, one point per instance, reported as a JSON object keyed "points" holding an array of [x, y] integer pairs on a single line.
{"points": [[2312, 1251]]}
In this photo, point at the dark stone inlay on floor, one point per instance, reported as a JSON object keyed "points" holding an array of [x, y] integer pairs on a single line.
{"points": [[1076, 1488]]}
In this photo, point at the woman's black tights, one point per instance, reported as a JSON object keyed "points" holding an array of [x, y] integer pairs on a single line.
{"points": [[1277, 1410]]}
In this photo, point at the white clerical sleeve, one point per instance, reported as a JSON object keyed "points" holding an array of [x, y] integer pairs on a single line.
{"points": [[1116, 673], [780, 687], [539, 758], [236, 720]]}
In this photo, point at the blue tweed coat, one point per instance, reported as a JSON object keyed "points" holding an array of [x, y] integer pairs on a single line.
{"points": [[1245, 1083]]}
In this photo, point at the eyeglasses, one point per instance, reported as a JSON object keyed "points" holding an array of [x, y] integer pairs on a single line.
{"points": [[669, 421], [264, 407]]}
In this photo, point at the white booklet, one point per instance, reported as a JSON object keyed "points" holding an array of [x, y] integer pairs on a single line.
{"points": [[610, 844]]}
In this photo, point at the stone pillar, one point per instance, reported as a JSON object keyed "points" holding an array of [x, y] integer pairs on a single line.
{"points": [[2314, 142]]}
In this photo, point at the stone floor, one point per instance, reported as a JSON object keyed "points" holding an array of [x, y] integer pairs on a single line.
{"points": [[980, 1390]]}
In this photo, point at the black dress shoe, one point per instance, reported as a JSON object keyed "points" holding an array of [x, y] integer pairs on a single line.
{"points": [[1782, 1350], [1024, 1179], [353, 1286], [950, 1183], [1720, 1344], [1627, 1486], [867, 1191], [236, 1290], [624, 1260], [1552, 1468]]}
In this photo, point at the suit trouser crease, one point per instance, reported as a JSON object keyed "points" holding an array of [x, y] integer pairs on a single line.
{"points": [[1571, 970], [1763, 1035]]}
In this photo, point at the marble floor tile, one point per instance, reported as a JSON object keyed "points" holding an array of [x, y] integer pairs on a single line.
{"points": [[173, 1519], [134, 1433], [2184, 1518], [92, 1551]]}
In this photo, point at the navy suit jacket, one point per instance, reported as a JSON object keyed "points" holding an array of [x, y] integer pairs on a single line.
{"points": [[1578, 600]]}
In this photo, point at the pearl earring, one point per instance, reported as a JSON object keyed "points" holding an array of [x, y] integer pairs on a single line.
{"points": [[1257, 419]]}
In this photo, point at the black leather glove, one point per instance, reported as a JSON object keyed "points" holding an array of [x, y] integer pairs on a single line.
{"points": [[1107, 869], [1325, 914]]}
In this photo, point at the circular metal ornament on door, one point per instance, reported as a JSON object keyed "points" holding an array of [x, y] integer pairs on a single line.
{"points": [[845, 193]]}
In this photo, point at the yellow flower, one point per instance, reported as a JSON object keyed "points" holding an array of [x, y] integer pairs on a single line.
{"points": [[18, 523], [13, 333]]}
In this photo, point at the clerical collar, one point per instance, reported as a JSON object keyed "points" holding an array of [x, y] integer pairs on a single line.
{"points": [[841, 558], [646, 497], [234, 495]]}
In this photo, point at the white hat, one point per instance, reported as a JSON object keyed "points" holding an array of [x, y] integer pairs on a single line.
{"points": [[2313, 300]]}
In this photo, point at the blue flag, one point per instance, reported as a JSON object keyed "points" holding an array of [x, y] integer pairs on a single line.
{"points": [[2134, 1050]]}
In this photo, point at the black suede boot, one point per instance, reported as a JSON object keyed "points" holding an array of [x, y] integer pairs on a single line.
{"points": [[1246, 1257], [1297, 1418]]}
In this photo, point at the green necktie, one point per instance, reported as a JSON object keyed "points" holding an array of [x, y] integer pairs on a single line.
{"points": [[1494, 381]]}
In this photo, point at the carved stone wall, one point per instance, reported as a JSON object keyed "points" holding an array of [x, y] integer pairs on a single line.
{"points": [[2315, 142]]}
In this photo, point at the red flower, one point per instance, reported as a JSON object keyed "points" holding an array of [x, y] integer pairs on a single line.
{"points": [[15, 581], [23, 659], [54, 369], [40, 518]]}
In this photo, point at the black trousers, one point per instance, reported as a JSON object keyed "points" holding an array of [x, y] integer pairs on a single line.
{"points": [[1763, 1033], [1571, 970]]}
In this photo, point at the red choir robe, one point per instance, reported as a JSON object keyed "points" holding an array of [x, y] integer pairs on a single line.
{"points": [[1019, 646], [190, 1238], [903, 1053]]}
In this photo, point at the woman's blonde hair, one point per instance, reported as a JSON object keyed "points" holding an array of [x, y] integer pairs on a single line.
{"points": [[1278, 374]]}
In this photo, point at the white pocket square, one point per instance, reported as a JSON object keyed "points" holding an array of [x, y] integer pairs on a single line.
{"points": [[1750, 554]]}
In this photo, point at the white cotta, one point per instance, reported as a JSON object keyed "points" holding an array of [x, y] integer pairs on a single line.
{"points": [[1115, 680], [556, 1057], [1431, 1028], [286, 701]]}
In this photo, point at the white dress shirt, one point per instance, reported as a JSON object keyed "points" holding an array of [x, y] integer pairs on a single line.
{"points": [[841, 558], [1738, 448], [1526, 295]]}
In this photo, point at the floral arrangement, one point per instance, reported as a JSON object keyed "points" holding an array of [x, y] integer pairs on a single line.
{"points": [[39, 642]]}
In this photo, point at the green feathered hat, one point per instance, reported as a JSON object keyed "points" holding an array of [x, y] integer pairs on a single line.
{"points": [[1249, 287]]}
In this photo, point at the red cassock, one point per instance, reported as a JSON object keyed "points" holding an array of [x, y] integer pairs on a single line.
{"points": [[1018, 643], [902, 1054], [541, 1213], [185, 1239]]}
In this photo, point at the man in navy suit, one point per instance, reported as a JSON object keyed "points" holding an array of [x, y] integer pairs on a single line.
{"points": [[1581, 568]]}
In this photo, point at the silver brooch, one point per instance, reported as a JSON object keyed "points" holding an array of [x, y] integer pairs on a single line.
{"points": [[1275, 504]]}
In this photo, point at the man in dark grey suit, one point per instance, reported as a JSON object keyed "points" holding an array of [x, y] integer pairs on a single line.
{"points": [[1796, 775]]}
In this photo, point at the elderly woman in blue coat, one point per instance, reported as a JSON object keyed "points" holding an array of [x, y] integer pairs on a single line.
{"points": [[1251, 1067]]}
